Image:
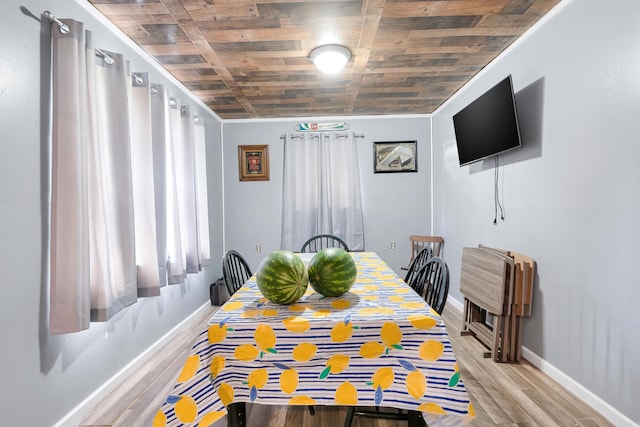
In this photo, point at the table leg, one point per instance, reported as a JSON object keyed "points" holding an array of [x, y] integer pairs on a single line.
{"points": [[236, 414], [415, 419]]}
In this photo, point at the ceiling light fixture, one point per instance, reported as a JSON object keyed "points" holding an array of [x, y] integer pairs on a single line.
{"points": [[330, 58]]}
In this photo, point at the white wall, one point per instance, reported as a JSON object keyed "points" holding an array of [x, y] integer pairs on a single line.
{"points": [[572, 194], [395, 205], [44, 377]]}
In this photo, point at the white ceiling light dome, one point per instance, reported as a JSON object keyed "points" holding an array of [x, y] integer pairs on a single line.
{"points": [[330, 58]]}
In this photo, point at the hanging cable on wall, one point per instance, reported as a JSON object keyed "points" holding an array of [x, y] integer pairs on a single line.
{"points": [[496, 193]]}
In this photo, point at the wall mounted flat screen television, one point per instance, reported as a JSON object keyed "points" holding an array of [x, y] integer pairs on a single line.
{"points": [[488, 125]]}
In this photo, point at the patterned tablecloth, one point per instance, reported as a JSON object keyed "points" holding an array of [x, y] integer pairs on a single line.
{"points": [[379, 344]]}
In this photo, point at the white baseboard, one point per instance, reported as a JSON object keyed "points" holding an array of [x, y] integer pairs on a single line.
{"points": [[76, 415], [455, 303], [614, 416]]}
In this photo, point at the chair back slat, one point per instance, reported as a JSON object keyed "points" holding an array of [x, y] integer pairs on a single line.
{"points": [[235, 271], [420, 242], [419, 260], [432, 283], [323, 241]]}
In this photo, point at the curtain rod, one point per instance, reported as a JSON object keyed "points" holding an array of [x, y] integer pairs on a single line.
{"points": [[138, 79], [108, 59], [302, 135], [64, 28]]}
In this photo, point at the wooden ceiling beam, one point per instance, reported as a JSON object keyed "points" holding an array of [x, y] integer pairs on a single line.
{"points": [[372, 14], [183, 18]]}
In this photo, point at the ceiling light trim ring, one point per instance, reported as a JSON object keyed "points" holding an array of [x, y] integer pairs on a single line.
{"points": [[330, 58]]}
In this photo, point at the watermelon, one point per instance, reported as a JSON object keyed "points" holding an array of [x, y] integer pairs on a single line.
{"points": [[282, 277], [332, 272]]}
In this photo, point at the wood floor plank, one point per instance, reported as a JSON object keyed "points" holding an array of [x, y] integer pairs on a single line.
{"points": [[268, 415], [524, 384], [147, 387], [489, 383], [145, 406], [142, 410], [557, 393]]}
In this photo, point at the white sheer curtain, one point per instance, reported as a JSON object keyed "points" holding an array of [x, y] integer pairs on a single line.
{"points": [[202, 198], [69, 246], [92, 261], [144, 185], [186, 186], [160, 142], [321, 189], [176, 264], [187, 202], [128, 185], [111, 221]]}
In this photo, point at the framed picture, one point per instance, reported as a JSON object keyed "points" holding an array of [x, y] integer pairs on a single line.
{"points": [[253, 162], [395, 156]]}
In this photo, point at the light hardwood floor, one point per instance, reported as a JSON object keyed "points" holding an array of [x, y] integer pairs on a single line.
{"points": [[504, 394]]}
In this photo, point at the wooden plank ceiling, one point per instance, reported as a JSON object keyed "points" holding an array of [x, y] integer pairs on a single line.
{"points": [[250, 58]]}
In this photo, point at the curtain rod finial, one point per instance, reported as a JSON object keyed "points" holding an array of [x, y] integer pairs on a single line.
{"points": [[64, 28]]}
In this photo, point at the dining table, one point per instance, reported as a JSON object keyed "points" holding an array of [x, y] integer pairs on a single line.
{"points": [[378, 345]]}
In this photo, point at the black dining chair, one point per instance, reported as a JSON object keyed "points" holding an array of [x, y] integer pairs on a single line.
{"points": [[431, 282], [412, 276], [322, 241], [235, 271]]}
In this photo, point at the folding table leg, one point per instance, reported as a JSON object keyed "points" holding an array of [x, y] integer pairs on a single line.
{"points": [[513, 337], [498, 324], [465, 314], [518, 336]]}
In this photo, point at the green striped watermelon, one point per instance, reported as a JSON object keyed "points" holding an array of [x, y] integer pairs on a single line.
{"points": [[332, 272], [282, 277]]}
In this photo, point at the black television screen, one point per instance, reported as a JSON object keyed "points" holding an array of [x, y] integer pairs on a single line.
{"points": [[488, 125]]}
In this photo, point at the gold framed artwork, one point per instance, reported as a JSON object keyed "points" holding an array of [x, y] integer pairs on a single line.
{"points": [[253, 162]]}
